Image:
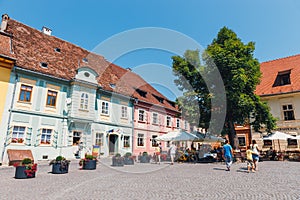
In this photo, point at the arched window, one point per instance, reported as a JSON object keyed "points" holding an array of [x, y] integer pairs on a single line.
{"points": [[84, 100]]}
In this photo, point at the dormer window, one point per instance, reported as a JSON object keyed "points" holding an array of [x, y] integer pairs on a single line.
{"points": [[160, 99], [85, 60], [44, 65], [283, 78], [112, 85], [141, 92], [57, 49], [171, 103]]}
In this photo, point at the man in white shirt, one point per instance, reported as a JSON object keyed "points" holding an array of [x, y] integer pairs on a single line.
{"points": [[173, 150]]}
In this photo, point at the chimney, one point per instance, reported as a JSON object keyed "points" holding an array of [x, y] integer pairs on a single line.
{"points": [[5, 19], [46, 30]]}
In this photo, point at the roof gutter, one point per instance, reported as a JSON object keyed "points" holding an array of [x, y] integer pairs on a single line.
{"points": [[40, 74], [281, 93]]}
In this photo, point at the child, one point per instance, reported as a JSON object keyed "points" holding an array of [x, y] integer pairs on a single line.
{"points": [[249, 160]]}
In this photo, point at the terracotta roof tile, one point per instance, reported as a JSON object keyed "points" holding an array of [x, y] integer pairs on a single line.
{"points": [[31, 47], [270, 71]]}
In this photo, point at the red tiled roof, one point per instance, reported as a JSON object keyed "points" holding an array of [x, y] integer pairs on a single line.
{"points": [[31, 47], [270, 71]]}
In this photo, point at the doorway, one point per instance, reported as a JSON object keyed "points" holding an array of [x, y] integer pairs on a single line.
{"points": [[113, 144]]}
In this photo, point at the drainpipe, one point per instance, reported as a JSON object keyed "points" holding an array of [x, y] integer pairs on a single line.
{"points": [[132, 117], [9, 116]]}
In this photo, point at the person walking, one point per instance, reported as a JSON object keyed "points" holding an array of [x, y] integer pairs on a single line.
{"points": [[227, 154], [255, 154], [172, 150], [249, 158], [158, 150]]}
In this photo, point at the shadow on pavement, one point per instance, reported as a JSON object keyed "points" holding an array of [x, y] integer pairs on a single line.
{"points": [[222, 169]]}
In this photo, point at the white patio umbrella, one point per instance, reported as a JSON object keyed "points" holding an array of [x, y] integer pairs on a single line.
{"points": [[176, 136], [207, 137], [279, 136]]}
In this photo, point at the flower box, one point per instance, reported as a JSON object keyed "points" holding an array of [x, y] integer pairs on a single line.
{"points": [[60, 165], [117, 160], [144, 158], [89, 162], [25, 169], [128, 159], [59, 168]]}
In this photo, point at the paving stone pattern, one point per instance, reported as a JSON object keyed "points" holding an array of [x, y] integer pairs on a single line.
{"points": [[274, 180]]}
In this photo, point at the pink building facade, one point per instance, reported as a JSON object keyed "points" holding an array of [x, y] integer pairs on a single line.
{"points": [[150, 121]]}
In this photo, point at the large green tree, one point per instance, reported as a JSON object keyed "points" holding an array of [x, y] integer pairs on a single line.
{"points": [[240, 73]]}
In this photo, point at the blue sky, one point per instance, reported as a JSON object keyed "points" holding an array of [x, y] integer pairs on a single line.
{"points": [[272, 24]]}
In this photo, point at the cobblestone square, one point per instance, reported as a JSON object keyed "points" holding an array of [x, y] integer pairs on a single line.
{"points": [[274, 180]]}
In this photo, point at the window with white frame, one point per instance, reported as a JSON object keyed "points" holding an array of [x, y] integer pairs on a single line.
{"points": [[18, 134], [154, 142], [169, 121], [124, 111], [25, 93], [99, 139], [46, 136], [288, 112], [104, 108], [140, 140], [154, 118], [142, 114], [76, 137], [178, 123], [185, 125], [84, 101], [292, 142], [126, 141], [51, 98]]}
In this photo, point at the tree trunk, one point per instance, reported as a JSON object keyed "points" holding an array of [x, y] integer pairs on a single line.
{"points": [[232, 135]]}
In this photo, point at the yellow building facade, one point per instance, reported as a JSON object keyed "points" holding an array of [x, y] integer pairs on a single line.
{"points": [[5, 70]]}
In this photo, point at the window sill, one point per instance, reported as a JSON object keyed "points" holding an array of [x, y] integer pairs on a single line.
{"points": [[17, 144], [83, 110], [267, 146], [51, 107], [45, 144], [25, 102], [289, 121], [292, 146]]}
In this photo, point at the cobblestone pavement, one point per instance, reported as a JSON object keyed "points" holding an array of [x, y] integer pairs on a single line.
{"points": [[274, 180]]}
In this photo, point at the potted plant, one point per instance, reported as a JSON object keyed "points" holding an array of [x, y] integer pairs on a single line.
{"points": [[128, 159], [25, 169], [60, 165], [88, 162], [117, 160], [145, 158]]}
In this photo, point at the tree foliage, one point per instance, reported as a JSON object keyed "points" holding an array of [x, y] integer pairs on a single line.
{"points": [[240, 73]]}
